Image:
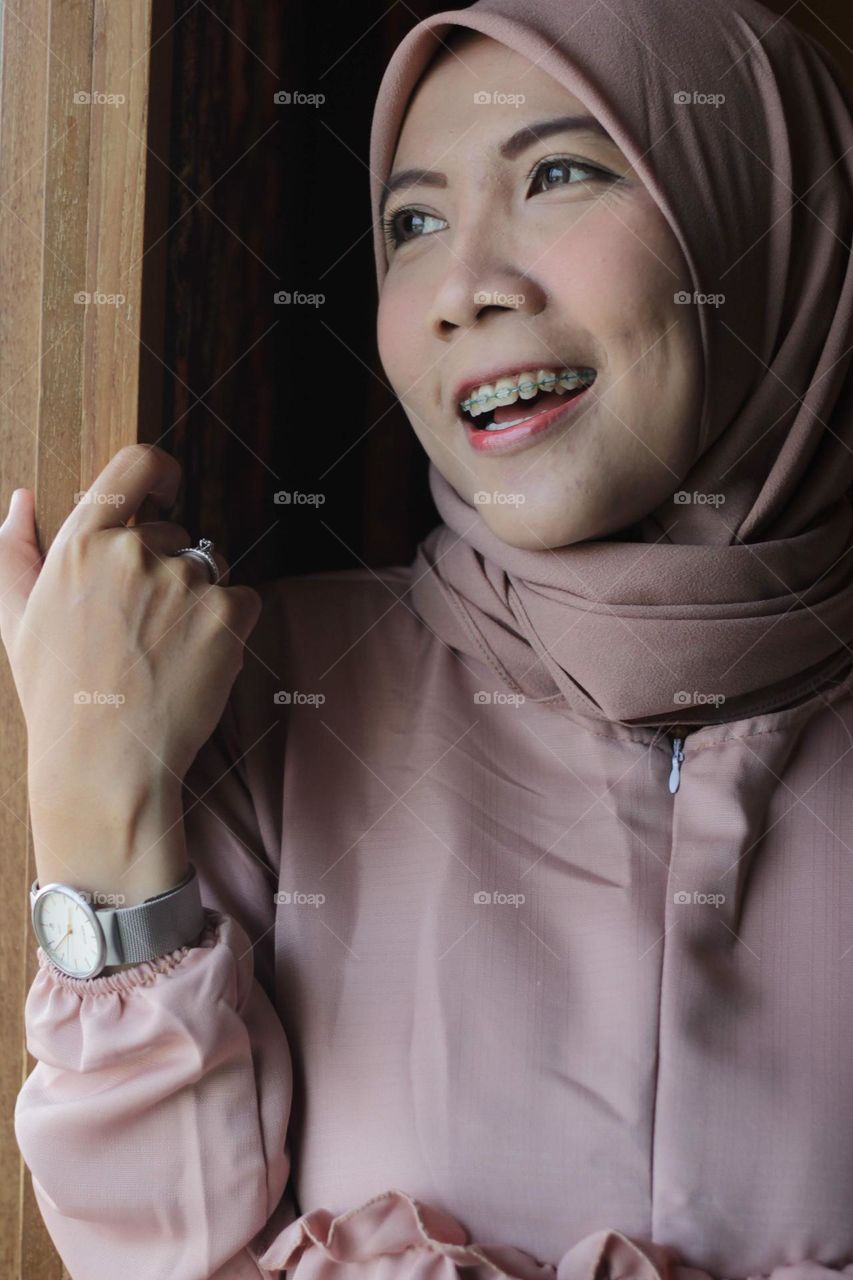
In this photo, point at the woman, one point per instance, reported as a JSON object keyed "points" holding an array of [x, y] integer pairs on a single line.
{"points": [[527, 866]]}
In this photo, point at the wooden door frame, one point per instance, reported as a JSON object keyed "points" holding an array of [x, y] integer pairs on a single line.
{"points": [[82, 207]]}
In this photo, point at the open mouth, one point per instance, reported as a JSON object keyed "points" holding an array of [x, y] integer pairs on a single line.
{"points": [[504, 416]]}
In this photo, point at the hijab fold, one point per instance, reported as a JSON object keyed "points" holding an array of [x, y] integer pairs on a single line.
{"points": [[705, 610]]}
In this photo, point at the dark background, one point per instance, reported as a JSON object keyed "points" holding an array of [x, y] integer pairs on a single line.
{"points": [[255, 198], [246, 198]]}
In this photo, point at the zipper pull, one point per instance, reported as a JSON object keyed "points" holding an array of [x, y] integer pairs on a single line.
{"points": [[677, 758]]}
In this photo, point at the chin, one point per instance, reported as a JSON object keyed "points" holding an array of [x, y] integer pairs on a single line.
{"points": [[520, 526]]}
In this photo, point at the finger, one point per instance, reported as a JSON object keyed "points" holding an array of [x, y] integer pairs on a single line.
{"points": [[165, 538], [20, 556], [130, 476], [251, 605]]}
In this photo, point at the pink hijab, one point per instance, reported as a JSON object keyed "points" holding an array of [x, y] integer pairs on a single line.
{"points": [[751, 601]]}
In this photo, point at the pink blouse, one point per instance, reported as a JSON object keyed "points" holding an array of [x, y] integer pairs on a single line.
{"points": [[476, 990]]}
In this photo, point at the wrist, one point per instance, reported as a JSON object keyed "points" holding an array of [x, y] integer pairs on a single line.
{"points": [[129, 844]]}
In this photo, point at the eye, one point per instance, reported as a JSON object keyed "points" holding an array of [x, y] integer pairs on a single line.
{"points": [[565, 163], [391, 224]]}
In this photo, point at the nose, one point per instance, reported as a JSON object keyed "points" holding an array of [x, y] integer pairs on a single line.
{"points": [[473, 285]]}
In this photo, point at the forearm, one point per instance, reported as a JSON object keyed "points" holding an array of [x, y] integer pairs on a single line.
{"points": [[126, 844]]}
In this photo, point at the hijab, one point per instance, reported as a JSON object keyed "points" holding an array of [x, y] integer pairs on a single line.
{"points": [[748, 603]]}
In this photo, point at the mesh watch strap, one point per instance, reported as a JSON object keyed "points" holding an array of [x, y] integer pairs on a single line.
{"points": [[173, 919]]}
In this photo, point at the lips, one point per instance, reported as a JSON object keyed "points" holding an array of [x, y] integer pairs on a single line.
{"points": [[532, 430]]}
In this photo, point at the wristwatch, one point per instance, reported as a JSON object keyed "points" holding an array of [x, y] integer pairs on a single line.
{"points": [[81, 938]]}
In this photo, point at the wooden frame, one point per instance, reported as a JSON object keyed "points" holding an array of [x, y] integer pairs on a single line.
{"points": [[73, 176]]}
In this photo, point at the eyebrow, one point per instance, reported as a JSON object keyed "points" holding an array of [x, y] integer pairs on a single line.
{"points": [[509, 149]]}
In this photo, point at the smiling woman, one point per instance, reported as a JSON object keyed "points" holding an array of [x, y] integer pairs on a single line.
{"points": [[536, 251], [501, 976], [662, 252]]}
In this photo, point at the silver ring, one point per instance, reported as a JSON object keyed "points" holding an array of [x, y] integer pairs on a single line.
{"points": [[202, 552]]}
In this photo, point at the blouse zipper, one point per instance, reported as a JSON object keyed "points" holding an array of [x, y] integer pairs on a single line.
{"points": [[677, 761]]}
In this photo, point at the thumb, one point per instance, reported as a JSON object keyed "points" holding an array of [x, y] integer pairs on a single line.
{"points": [[20, 555]]}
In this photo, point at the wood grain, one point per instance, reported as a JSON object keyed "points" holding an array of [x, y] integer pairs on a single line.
{"points": [[71, 223]]}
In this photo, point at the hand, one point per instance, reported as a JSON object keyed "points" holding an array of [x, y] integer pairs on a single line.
{"points": [[123, 656]]}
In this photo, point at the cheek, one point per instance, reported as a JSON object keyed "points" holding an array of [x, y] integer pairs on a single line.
{"points": [[396, 322], [619, 273]]}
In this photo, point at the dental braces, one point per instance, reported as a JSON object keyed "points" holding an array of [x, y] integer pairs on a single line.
{"points": [[582, 376]]}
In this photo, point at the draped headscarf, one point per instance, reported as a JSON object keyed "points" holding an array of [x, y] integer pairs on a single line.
{"points": [[749, 603]]}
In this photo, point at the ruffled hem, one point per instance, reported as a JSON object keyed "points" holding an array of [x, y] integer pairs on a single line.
{"points": [[394, 1234], [396, 1237]]}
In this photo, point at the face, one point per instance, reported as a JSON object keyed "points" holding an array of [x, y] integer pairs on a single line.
{"points": [[544, 254]]}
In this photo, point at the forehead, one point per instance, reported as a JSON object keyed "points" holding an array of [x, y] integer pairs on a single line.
{"points": [[449, 100]]}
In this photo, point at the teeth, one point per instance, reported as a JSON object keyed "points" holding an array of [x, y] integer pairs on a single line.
{"points": [[505, 393], [525, 385], [502, 426]]}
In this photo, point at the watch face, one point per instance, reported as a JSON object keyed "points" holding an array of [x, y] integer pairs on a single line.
{"points": [[67, 931]]}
